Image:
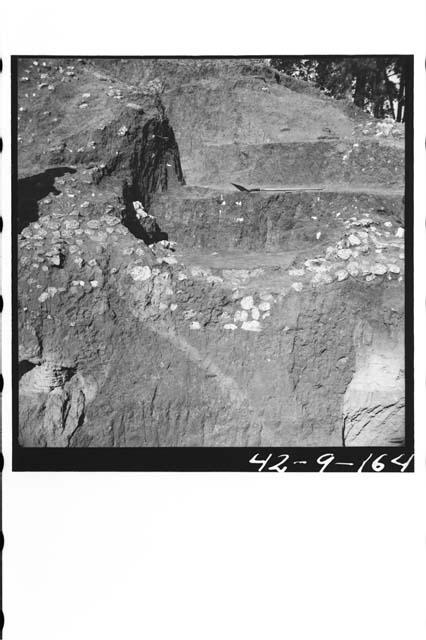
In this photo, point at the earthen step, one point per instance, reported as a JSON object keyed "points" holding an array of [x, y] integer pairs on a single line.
{"points": [[364, 162], [257, 221]]}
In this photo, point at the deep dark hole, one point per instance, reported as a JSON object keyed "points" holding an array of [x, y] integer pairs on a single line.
{"points": [[154, 167], [148, 235], [33, 189], [147, 230], [24, 366]]}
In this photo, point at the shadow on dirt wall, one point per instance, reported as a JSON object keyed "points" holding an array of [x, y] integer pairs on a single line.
{"points": [[33, 189]]}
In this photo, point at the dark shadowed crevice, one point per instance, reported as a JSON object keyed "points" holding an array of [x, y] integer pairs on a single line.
{"points": [[33, 189], [24, 366], [155, 162], [146, 229], [154, 167]]}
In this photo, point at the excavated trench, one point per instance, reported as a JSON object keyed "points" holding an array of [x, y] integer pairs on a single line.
{"points": [[160, 361]]}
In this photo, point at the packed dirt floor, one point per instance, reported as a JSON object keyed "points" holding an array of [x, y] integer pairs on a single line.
{"points": [[161, 306]]}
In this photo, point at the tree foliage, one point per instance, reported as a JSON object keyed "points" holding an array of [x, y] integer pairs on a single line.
{"points": [[375, 84]]}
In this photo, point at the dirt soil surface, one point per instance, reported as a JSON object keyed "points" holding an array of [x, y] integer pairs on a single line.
{"points": [[159, 305]]}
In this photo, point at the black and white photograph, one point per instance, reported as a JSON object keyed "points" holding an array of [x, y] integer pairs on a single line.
{"points": [[213, 326], [210, 254]]}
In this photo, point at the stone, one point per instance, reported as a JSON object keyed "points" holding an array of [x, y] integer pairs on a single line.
{"points": [[255, 313], [195, 325], [322, 277], [135, 106], [247, 302], [169, 260], [214, 279], [173, 306], [341, 274], [251, 325], [94, 283], [93, 224], [379, 269], [353, 268], [138, 207], [140, 274], [363, 235], [399, 232], [353, 240], [344, 254], [297, 286], [388, 223], [240, 316], [71, 224], [53, 225], [297, 273], [230, 327], [111, 220], [43, 297], [393, 268], [264, 306], [370, 277]]}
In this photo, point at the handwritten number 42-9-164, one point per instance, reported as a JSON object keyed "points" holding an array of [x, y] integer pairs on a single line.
{"points": [[376, 464]]}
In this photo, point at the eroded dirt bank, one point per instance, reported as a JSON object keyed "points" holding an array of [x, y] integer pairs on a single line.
{"points": [[158, 313]]}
